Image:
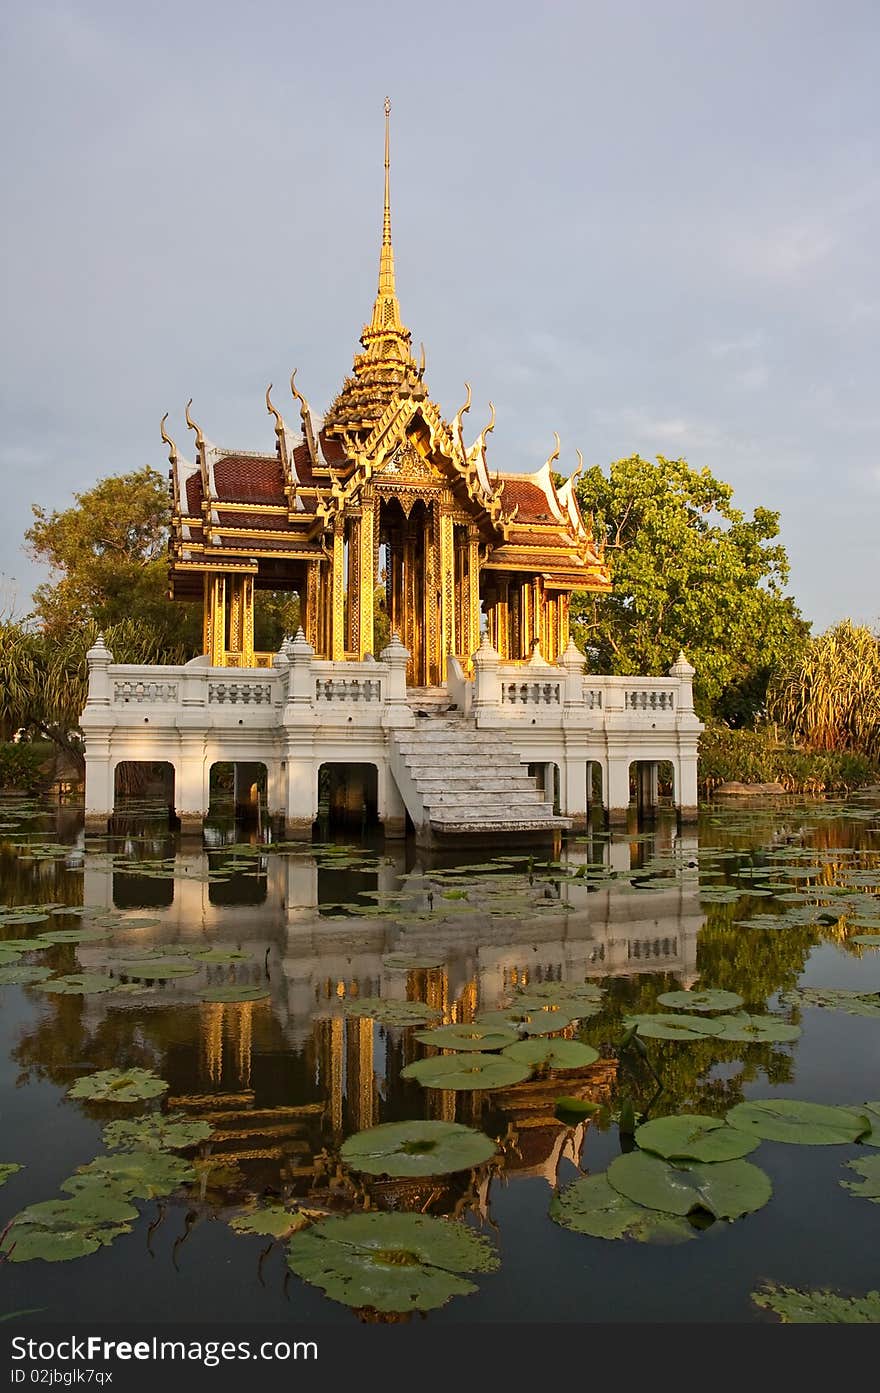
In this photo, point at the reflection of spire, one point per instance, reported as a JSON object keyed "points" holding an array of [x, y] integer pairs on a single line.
{"points": [[244, 1020], [359, 1076], [212, 1039]]}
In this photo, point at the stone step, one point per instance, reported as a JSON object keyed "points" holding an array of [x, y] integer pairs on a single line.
{"points": [[467, 788], [483, 798]]}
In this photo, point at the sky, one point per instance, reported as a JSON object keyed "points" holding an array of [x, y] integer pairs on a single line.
{"points": [[651, 227]]}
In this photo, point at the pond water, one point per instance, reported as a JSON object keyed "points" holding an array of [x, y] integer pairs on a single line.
{"points": [[760, 901]]}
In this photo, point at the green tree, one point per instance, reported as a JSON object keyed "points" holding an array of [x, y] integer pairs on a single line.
{"points": [[691, 571], [107, 557]]}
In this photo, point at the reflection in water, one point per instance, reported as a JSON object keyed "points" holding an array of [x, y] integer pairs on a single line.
{"points": [[284, 1080]]}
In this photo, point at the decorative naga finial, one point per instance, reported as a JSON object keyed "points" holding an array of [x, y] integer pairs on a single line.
{"points": [[456, 424], [421, 361], [555, 455], [304, 408], [200, 439], [173, 455], [491, 426], [273, 411], [580, 468]]}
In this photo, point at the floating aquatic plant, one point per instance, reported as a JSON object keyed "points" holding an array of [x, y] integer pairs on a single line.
{"points": [[724, 1189], [709, 999], [14, 974], [796, 1307], [232, 992], [805, 1124], [869, 1186], [160, 1131], [552, 1054], [693, 1137], [8, 1168], [594, 1207], [468, 1037], [270, 1221], [668, 1027], [118, 1086], [62, 1229], [144, 1175], [472, 1070], [417, 1148], [390, 1262], [390, 1012]]}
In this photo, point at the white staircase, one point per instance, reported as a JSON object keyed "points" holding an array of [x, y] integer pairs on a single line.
{"points": [[459, 782]]}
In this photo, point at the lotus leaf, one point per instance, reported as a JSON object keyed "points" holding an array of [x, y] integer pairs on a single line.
{"points": [[221, 955], [408, 962], [724, 1189], [866, 940], [58, 1230], [692, 1137], [79, 984], [576, 1007], [157, 1131], [466, 1071], [390, 1012], [552, 1054], [22, 945], [417, 1148], [21, 974], [560, 992], [804, 1124], [794, 1307], [8, 1168], [669, 1027], [270, 1221], [839, 999], [754, 1029], [468, 1037], [81, 935], [143, 1175], [233, 992], [869, 1187], [592, 1206], [538, 1021], [710, 999], [575, 1109], [390, 1262], [871, 1113], [159, 969], [118, 1086]]}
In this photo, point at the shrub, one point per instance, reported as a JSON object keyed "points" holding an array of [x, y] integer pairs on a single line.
{"points": [[764, 756], [24, 766]]}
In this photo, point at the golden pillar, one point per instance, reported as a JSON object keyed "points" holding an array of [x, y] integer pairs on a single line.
{"points": [[310, 618], [247, 621], [353, 586], [337, 641], [446, 586], [503, 641], [563, 612], [366, 574], [214, 629], [473, 566]]}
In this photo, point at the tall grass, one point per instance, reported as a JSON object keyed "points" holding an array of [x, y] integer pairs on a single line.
{"points": [[831, 699]]}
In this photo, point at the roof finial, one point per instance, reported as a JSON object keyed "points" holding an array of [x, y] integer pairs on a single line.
{"points": [[386, 311], [173, 455]]}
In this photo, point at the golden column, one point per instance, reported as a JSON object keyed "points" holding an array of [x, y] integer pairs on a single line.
{"points": [[214, 628], [446, 586], [366, 572], [310, 617], [473, 590], [337, 641], [353, 588]]}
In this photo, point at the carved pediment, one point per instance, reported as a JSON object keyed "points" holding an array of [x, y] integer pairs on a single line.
{"points": [[406, 465]]}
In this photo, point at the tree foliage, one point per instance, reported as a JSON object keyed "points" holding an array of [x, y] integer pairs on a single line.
{"points": [[689, 571], [830, 697]]}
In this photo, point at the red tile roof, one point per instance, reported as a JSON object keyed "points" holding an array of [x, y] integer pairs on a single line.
{"points": [[194, 494], [532, 500], [249, 479]]}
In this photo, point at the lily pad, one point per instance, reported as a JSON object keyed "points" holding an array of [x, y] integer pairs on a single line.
{"points": [[866, 940], [221, 955], [8, 1168], [754, 1029], [144, 1175], [17, 946], [540, 1020], [118, 1086], [79, 984], [390, 1262], [82, 935], [158, 969], [724, 1189], [593, 1206], [417, 1148], [390, 1012], [552, 1054], [467, 1071], [693, 1137], [869, 1187], [835, 999], [804, 1124], [270, 1221], [235, 993], [571, 1110], [411, 962], [62, 1229], [668, 1027], [795, 1307], [563, 994], [710, 999], [172, 1131], [468, 1037], [22, 974]]}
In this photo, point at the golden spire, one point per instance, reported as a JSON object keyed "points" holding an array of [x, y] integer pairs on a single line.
{"points": [[386, 310]]}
